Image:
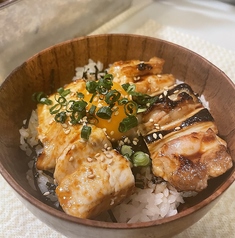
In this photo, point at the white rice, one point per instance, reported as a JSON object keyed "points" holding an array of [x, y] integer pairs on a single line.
{"points": [[154, 202]]}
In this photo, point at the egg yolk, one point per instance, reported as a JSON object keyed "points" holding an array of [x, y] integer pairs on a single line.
{"points": [[111, 125]]}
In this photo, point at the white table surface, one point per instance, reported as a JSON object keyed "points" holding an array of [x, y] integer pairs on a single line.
{"points": [[211, 21]]}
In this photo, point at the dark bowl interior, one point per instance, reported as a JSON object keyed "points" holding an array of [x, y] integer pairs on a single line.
{"points": [[54, 67]]}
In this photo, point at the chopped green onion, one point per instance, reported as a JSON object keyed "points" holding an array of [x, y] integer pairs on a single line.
{"points": [[60, 117], [77, 116], [102, 90], [61, 100], [92, 110], [112, 96], [126, 150], [127, 124], [91, 86], [93, 95], [63, 92], [55, 109], [69, 105], [140, 159], [60, 90], [106, 82], [41, 97], [130, 108], [104, 113], [128, 87], [45, 101], [144, 99], [123, 101], [78, 106], [125, 86], [85, 132], [108, 77], [80, 95]]}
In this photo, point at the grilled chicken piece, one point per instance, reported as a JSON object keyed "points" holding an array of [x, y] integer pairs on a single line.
{"points": [[96, 184], [154, 84], [74, 153], [188, 161], [181, 137], [171, 110], [129, 71], [87, 183], [146, 75], [56, 136]]}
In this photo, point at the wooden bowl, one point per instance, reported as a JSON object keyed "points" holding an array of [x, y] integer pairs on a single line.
{"points": [[55, 67]]}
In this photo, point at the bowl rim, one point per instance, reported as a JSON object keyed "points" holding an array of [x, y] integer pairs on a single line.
{"points": [[110, 225]]}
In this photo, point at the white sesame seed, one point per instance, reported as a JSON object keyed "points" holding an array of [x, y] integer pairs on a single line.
{"points": [[73, 147], [97, 155], [64, 125], [95, 99], [165, 93], [89, 159], [176, 91], [112, 133], [46, 193], [109, 156], [160, 136], [91, 176], [157, 126], [71, 159], [160, 97], [105, 145], [109, 148], [134, 142], [126, 140], [66, 131], [51, 121], [159, 75], [116, 113], [121, 143], [177, 128], [111, 202], [151, 120], [154, 135]]}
